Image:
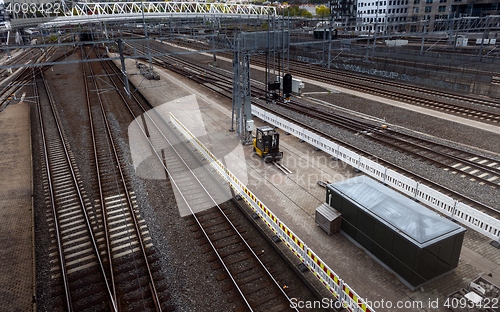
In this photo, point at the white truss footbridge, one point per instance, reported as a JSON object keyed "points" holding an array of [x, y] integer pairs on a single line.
{"points": [[58, 13]]}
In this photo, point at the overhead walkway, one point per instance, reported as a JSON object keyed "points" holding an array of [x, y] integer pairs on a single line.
{"points": [[59, 14]]}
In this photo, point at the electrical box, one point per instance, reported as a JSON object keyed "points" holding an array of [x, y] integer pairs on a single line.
{"points": [[249, 125], [297, 85], [328, 218], [273, 86]]}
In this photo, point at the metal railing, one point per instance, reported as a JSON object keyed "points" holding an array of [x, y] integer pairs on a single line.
{"points": [[466, 215], [345, 295]]}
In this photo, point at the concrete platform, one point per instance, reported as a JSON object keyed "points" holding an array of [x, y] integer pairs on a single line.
{"points": [[17, 269], [294, 198]]}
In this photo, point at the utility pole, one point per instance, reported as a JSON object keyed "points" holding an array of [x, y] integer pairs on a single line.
{"points": [[124, 70], [423, 38], [486, 30], [330, 32]]}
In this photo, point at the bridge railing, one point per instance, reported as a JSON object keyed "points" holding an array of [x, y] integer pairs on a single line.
{"points": [[106, 9]]}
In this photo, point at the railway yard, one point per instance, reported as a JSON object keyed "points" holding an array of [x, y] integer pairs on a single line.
{"points": [[120, 213]]}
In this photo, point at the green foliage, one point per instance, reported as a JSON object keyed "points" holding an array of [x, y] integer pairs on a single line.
{"points": [[322, 11], [265, 26], [305, 13], [295, 10]]}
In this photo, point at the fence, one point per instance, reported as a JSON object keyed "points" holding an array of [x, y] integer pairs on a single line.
{"points": [[444, 204], [345, 295]]}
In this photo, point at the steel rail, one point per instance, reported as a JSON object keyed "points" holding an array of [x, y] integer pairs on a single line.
{"points": [[69, 306], [352, 81], [228, 89], [215, 203], [356, 125], [153, 289], [335, 76], [80, 197], [394, 139], [99, 182]]}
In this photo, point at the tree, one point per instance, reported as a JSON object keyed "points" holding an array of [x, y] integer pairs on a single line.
{"points": [[322, 11], [305, 13], [295, 10]]}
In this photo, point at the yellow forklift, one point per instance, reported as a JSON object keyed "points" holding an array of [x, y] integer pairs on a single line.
{"points": [[266, 144]]}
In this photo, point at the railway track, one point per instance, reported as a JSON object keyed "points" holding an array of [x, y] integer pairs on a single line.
{"points": [[241, 260], [475, 167], [16, 80], [476, 108], [129, 248], [483, 109], [255, 285], [77, 263], [485, 170], [358, 53], [103, 258], [481, 168]]}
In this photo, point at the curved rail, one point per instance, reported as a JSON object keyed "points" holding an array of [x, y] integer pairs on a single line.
{"points": [[216, 82], [58, 159], [477, 108], [190, 174], [122, 180], [481, 169]]}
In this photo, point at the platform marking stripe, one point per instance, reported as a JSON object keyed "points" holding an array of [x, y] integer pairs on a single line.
{"points": [[264, 213], [324, 268], [355, 298]]}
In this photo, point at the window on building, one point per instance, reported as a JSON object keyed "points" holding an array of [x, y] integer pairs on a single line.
{"points": [[442, 8], [428, 9], [416, 1], [415, 10], [428, 1]]}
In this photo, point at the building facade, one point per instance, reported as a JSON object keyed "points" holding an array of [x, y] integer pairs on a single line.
{"points": [[384, 16], [394, 16]]}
